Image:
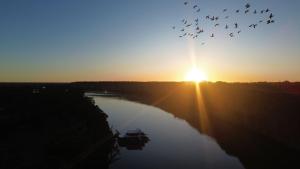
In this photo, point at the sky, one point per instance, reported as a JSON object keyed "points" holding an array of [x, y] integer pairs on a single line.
{"points": [[133, 40]]}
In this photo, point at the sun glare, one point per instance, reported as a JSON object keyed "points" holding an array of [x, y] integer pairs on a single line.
{"points": [[195, 75]]}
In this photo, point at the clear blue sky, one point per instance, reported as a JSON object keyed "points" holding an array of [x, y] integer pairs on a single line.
{"points": [[74, 40]]}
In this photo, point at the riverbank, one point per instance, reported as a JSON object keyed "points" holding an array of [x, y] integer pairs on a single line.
{"points": [[52, 126]]}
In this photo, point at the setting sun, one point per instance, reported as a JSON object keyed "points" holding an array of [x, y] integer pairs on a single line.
{"points": [[195, 75]]}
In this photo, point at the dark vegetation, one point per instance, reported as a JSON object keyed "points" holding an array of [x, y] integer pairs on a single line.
{"points": [[257, 122], [52, 126]]}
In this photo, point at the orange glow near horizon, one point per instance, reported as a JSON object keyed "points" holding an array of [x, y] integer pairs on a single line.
{"points": [[195, 75]]}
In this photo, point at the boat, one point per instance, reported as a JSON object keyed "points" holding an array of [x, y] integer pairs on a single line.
{"points": [[133, 139]]}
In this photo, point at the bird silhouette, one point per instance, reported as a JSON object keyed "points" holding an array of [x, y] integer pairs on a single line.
{"points": [[185, 3], [271, 16], [217, 25], [217, 18], [270, 21], [188, 25], [226, 17], [224, 10], [207, 17], [182, 30], [246, 11], [231, 35], [236, 25], [247, 5], [212, 35], [237, 11], [267, 10], [173, 27], [226, 27], [255, 12], [198, 10], [195, 6], [196, 20], [239, 31], [262, 11]]}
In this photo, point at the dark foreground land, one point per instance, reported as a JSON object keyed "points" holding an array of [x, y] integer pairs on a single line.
{"points": [[52, 126], [257, 122]]}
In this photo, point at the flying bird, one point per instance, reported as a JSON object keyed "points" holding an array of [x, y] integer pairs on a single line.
{"points": [[182, 30], [247, 5], [231, 35], [173, 27], [270, 21], [271, 16], [224, 10], [236, 25], [255, 12], [226, 27], [212, 35], [217, 25], [195, 6], [237, 11], [217, 18], [267, 10], [246, 11], [226, 17], [185, 3], [239, 31], [207, 17], [198, 10]]}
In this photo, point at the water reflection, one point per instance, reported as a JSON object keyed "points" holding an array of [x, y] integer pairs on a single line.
{"points": [[174, 143]]}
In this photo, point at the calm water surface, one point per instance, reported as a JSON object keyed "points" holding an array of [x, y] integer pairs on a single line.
{"points": [[173, 142]]}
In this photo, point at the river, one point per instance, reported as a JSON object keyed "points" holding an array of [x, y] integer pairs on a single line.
{"points": [[173, 142]]}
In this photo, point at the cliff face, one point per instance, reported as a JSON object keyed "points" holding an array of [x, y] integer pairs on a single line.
{"points": [[52, 126], [257, 122]]}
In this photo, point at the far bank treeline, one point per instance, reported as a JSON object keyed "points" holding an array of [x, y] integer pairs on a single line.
{"points": [[52, 126], [258, 122]]}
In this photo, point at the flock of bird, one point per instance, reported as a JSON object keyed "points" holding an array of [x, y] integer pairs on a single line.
{"points": [[193, 29]]}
